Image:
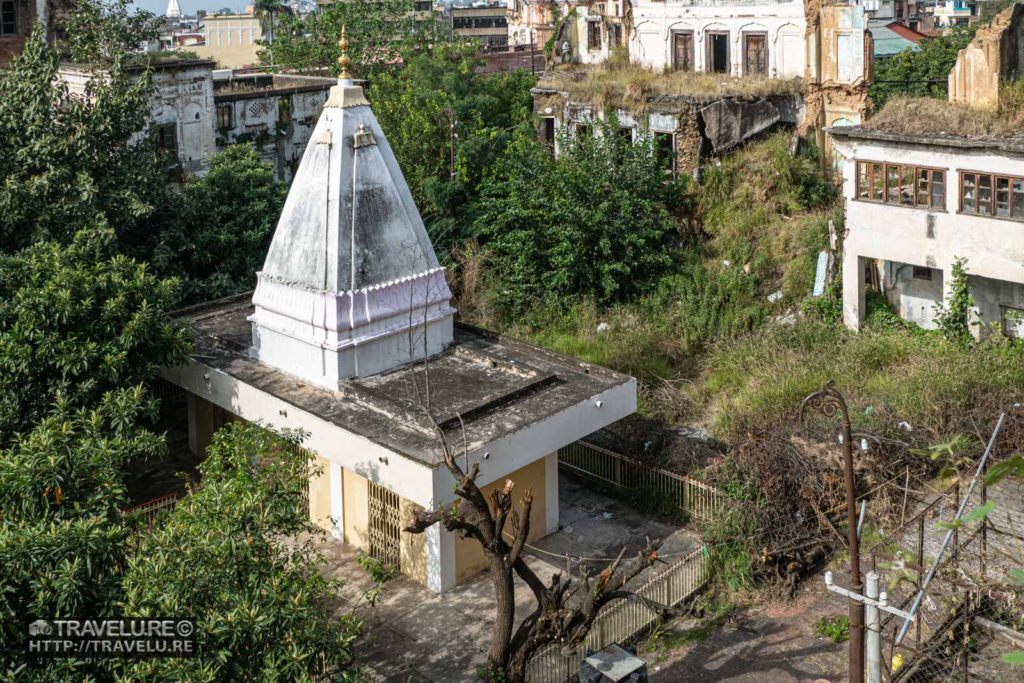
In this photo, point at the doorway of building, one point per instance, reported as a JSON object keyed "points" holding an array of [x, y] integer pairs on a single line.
{"points": [[682, 51], [718, 52], [755, 54], [385, 524]]}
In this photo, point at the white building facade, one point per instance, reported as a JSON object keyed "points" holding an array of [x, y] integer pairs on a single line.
{"points": [[736, 38], [915, 205]]}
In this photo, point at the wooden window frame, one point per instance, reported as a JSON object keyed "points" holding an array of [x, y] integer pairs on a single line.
{"points": [[225, 125], [994, 179], [901, 170], [16, 31], [593, 24]]}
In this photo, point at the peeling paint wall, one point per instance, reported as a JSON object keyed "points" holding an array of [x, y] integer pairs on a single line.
{"points": [[656, 22], [995, 55]]}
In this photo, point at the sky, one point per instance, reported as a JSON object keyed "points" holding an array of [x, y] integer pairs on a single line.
{"points": [[190, 6]]}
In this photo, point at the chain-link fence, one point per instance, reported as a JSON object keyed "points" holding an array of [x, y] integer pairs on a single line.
{"points": [[972, 614]]}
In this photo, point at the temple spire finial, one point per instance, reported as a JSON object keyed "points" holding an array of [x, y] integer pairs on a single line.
{"points": [[343, 60]]}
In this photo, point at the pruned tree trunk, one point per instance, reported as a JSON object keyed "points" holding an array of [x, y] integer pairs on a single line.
{"points": [[565, 609]]}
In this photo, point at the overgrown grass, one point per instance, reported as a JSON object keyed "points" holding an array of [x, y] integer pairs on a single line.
{"points": [[630, 85], [889, 373]]}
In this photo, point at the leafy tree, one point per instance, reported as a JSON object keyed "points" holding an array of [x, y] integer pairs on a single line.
{"points": [[70, 162], [382, 33], [77, 322], [593, 222], [228, 557], [953, 318], [447, 125], [220, 235], [108, 31], [62, 536]]}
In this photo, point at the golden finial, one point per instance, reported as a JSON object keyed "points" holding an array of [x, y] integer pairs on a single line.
{"points": [[343, 60]]}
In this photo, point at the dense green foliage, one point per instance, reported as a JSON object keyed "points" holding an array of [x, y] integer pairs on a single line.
{"points": [[381, 33], [107, 31], [77, 322], [448, 126], [555, 226], [62, 538], [262, 611], [953, 317], [221, 234], [67, 162]]}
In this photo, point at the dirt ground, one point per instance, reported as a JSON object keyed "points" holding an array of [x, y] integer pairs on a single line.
{"points": [[772, 643]]}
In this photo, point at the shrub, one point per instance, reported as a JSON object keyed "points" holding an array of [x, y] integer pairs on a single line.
{"points": [[836, 629]]}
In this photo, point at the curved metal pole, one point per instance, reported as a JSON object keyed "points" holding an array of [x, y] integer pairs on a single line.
{"points": [[829, 402]]}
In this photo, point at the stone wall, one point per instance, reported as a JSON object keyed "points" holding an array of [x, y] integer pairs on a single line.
{"points": [[996, 54]]}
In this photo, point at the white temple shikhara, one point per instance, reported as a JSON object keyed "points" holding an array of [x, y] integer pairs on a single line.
{"points": [[350, 337], [173, 10]]}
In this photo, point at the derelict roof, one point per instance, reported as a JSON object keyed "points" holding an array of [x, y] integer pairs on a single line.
{"points": [[1014, 143], [487, 384]]}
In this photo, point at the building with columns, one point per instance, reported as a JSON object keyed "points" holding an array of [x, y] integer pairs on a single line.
{"points": [[351, 337]]}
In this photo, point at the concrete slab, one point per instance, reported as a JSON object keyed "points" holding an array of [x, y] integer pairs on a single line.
{"points": [[416, 635]]}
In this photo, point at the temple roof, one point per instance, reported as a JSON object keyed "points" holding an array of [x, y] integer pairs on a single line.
{"points": [[349, 221]]}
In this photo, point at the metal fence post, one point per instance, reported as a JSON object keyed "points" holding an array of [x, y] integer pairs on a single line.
{"points": [[874, 630]]}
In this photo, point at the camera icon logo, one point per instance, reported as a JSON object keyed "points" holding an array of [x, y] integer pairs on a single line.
{"points": [[40, 627]]}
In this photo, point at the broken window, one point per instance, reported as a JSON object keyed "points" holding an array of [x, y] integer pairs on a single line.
{"points": [[992, 195], [614, 35], [682, 50], [593, 35], [584, 131], [718, 52], [1012, 319], [755, 54], [547, 131], [167, 139], [922, 273], [224, 117], [901, 185], [665, 151], [284, 111], [8, 18]]}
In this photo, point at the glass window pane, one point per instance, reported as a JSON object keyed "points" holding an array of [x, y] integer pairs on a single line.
{"points": [[1002, 197], [892, 184], [863, 180], [938, 190], [922, 186], [877, 181], [907, 186], [1018, 198], [985, 194], [970, 193]]}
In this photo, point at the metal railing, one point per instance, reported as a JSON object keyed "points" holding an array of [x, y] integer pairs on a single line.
{"points": [[623, 619], [690, 495], [149, 511]]}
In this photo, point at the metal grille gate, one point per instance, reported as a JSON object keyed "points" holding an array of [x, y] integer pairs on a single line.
{"points": [[385, 524]]}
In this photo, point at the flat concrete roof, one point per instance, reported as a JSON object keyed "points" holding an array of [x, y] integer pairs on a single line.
{"points": [[1014, 143], [485, 386]]}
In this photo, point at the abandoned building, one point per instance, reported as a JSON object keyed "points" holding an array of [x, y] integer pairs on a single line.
{"points": [[350, 337], [531, 22], [921, 193], [18, 17], [198, 111], [767, 79]]}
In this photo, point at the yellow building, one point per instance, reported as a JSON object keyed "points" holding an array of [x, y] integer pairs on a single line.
{"points": [[230, 40], [350, 337]]}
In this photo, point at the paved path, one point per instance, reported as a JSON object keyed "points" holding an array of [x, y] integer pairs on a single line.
{"points": [[415, 635]]}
